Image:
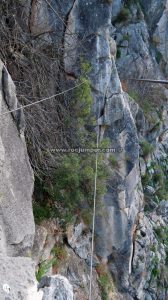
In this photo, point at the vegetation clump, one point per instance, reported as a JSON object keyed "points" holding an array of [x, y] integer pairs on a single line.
{"points": [[44, 267], [123, 15], [41, 211], [145, 105], [156, 177], [126, 37], [130, 2], [160, 271], [113, 160], [161, 233], [82, 100], [158, 57], [104, 281], [155, 267], [59, 253], [133, 94], [146, 147], [118, 54], [72, 180]]}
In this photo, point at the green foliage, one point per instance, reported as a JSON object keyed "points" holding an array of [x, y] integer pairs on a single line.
{"points": [[104, 281], [154, 268], [152, 248], [166, 261], [156, 177], [123, 15], [83, 97], [146, 147], [133, 95], [44, 267], [113, 161], [60, 254], [66, 181], [146, 107], [73, 180], [159, 272], [162, 234], [104, 143], [160, 181], [41, 212], [126, 37], [146, 179], [86, 216], [155, 271], [150, 113], [162, 193], [82, 100], [130, 2], [118, 54], [158, 57], [85, 66]]}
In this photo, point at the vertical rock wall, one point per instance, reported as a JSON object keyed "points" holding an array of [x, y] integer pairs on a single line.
{"points": [[116, 222], [17, 273], [15, 174]]}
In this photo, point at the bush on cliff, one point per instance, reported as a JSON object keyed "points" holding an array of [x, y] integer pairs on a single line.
{"points": [[72, 181]]}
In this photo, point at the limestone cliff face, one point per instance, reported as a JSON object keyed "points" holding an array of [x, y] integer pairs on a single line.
{"points": [[115, 224], [16, 176], [133, 244], [141, 41], [17, 226]]}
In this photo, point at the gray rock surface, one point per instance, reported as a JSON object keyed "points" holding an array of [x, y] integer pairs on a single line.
{"points": [[78, 273], [149, 259], [117, 218], [142, 51], [16, 177], [79, 240], [47, 235], [17, 280], [163, 210], [123, 121], [160, 37], [56, 287], [17, 274], [116, 6], [39, 243], [70, 266], [153, 9]]}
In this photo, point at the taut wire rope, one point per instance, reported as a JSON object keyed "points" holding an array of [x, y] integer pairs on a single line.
{"points": [[94, 207], [42, 100]]}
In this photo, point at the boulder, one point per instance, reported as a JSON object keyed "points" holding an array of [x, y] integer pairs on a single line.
{"points": [[79, 240], [56, 287]]}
